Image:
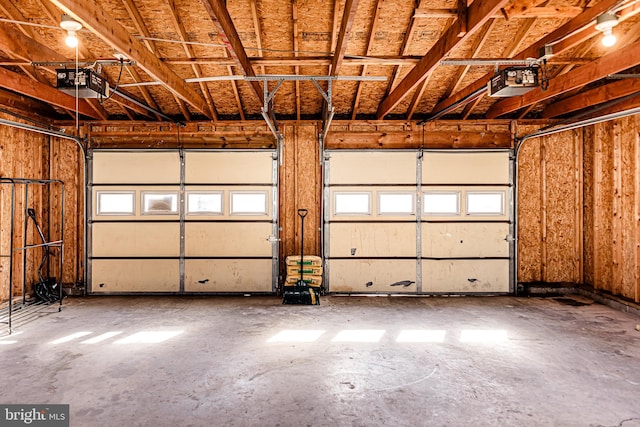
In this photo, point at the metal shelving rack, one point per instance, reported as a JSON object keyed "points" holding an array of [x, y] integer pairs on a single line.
{"points": [[24, 186]]}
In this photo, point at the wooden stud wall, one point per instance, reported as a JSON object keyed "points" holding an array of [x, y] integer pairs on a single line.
{"points": [[300, 188], [26, 154], [612, 207], [550, 209]]}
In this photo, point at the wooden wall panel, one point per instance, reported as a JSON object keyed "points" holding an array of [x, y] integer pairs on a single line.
{"points": [[530, 217], [603, 206], [612, 237], [588, 203], [561, 205], [300, 188], [22, 155], [67, 165]]}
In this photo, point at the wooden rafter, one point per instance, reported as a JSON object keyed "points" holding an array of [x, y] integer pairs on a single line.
{"points": [[138, 22], [577, 24], [403, 51], [307, 61], [477, 45], [258, 30], [349, 15], [188, 50], [30, 50], [536, 12], [478, 14], [25, 104], [24, 85], [417, 96], [372, 33], [614, 62], [113, 33], [219, 14]]}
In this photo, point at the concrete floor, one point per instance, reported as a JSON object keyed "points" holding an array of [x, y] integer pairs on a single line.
{"points": [[229, 361]]}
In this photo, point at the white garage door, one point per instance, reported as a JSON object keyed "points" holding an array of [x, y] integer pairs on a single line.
{"points": [[418, 223], [183, 221]]}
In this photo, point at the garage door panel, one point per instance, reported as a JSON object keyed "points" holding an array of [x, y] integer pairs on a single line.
{"points": [[228, 239], [373, 168], [373, 239], [139, 167], [229, 167], [459, 240], [134, 239], [235, 275], [353, 276], [466, 168], [473, 276], [140, 275]]}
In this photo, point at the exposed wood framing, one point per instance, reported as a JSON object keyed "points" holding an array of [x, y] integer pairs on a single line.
{"points": [[296, 47], [114, 34], [434, 139], [24, 104], [543, 210], [478, 14], [577, 24], [372, 32], [349, 14], [614, 90], [188, 50], [219, 14], [536, 12], [417, 96], [578, 222], [609, 64], [636, 220], [403, 51], [25, 86], [617, 220], [138, 22]]}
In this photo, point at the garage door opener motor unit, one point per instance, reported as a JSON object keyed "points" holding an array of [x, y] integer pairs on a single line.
{"points": [[90, 83], [513, 81]]}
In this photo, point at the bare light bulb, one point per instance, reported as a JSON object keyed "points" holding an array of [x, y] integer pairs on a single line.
{"points": [[72, 39], [608, 39]]}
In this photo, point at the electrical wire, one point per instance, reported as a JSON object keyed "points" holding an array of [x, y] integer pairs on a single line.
{"points": [[115, 88]]}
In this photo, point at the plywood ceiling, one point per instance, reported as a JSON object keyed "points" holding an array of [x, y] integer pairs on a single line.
{"points": [[173, 42]]}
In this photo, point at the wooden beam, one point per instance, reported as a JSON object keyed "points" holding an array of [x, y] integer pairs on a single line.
{"points": [[578, 23], [614, 62], [519, 7], [403, 51], [219, 14], [141, 27], [24, 104], [188, 50], [433, 139], [468, 109], [479, 13], [24, 85], [417, 96], [372, 32], [536, 12], [591, 97], [28, 49], [462, 17], [348, 16], [113, 33], [477, 45]]}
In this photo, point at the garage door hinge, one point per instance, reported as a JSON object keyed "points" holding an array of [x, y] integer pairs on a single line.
{"points": [[509, 238]]}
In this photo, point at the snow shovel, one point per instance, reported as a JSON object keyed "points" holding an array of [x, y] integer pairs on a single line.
{"points": [[301, 292]]}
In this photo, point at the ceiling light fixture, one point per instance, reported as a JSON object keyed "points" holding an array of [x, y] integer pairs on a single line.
{"points": [[605, 23], [72, 26]]}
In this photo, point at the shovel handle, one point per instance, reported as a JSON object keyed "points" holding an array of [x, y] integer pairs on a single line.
{"points": [[303, 212]]}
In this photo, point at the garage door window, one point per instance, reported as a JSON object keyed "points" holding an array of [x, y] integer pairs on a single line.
{"points": [[253, 203], [485, 203], [352, 204], [441, 203], [200, 203], [159, 203], [116, 203], [395, 204]]}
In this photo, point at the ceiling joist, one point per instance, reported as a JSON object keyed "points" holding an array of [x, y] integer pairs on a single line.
{"points": [[115, 35], [478, 13]]}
